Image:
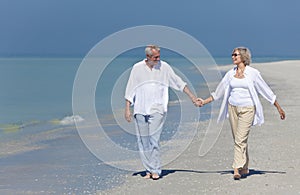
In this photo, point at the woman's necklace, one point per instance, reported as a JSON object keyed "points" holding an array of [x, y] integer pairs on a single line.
{"points": [[240, 73]]}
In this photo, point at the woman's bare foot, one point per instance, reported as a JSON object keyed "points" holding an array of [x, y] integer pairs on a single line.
{"points": [[236, 174], [244, 172]]}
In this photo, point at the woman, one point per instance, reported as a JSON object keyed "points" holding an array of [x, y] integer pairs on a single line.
{"points": [[240, 88]]}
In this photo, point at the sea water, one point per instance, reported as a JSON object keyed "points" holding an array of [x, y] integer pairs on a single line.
{"points": [[37, 90], [40, 89]]}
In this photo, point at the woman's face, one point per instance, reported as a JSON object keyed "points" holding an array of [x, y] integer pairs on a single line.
{"points": [[236, 57]]}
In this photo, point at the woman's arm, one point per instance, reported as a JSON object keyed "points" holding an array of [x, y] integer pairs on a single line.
{"points": [[280, 110], [207, 100]]}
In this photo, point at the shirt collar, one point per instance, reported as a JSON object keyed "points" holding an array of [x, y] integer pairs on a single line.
{"points": [[245, 71]]}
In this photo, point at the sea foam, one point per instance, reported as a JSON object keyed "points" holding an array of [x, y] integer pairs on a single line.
{"points": [[70, 120]]}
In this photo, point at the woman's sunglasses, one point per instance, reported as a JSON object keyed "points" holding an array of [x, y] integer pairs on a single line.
{"points": [[235, 54]]}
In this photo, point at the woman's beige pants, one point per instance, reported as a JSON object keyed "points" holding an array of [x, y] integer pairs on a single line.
{"points": [[241, 119]]}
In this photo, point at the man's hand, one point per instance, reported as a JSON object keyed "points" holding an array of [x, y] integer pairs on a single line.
{"points": [[128, 115], [198, 102], [127, 111]]}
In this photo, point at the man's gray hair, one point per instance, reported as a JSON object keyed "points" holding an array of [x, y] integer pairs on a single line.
{"points": [[149, 48]]}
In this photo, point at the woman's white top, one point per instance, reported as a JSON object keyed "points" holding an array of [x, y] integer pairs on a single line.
{"points": [[256, 85], [239, 93], [148, 89]]}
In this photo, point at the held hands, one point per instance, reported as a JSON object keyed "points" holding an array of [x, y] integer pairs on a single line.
{"points": [[198, 102]]}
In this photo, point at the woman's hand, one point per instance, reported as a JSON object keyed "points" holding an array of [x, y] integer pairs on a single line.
{"points": [[280, 110], [198, 102], [281, 113]]}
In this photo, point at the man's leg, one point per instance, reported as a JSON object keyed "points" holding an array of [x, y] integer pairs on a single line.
{"points": [[143, 140], [156, 122]]}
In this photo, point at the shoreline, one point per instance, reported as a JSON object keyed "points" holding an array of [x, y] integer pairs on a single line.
{"points": [[273, 147]]}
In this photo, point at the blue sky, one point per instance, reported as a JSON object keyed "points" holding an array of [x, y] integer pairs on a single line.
{"points": [[73, 27]]}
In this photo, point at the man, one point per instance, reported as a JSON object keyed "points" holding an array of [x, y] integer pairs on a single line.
{"points": [[147, 90]]}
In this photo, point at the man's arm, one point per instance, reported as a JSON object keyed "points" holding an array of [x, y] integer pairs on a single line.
{"points": [[194, 99], [127, 111]]}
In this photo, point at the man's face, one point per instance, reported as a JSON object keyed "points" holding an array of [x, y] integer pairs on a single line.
{"points": [[155, 58]]}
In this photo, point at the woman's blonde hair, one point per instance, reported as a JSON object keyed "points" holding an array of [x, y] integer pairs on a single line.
{"points": [[245, 54]]}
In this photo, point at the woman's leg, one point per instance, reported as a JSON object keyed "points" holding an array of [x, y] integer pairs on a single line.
{"points": [[241, 119], [245, 120], [233, 119]]}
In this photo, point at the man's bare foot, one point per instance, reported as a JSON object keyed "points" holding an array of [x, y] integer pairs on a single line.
{"points": [[148, 176], [155, 176]]}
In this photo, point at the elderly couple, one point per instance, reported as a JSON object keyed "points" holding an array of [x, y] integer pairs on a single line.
{"points": [[147, 90]]}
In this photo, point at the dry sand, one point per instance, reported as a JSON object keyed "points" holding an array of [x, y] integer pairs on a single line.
{"points": [[274, 151]]}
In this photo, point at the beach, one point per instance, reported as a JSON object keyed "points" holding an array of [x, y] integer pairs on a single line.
{"points": [[51, 158], [64, 68], [273, 149]]}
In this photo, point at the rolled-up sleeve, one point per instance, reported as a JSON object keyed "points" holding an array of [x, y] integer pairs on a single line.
{"points": [[175, 81], [220, 90], [130, 88], [263, 89]]}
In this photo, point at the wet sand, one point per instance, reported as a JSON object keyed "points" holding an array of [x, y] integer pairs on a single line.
{"points": [[51, 161]]}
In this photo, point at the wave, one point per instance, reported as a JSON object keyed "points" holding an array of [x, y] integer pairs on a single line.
{"points": [[70, 120], [175, 102], [15, 127]]}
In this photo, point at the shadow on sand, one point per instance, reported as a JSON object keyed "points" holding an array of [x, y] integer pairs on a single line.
{"points": [[171, 171]]}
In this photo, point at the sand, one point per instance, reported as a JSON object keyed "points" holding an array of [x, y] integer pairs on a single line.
{"points": [[273, 147]]}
